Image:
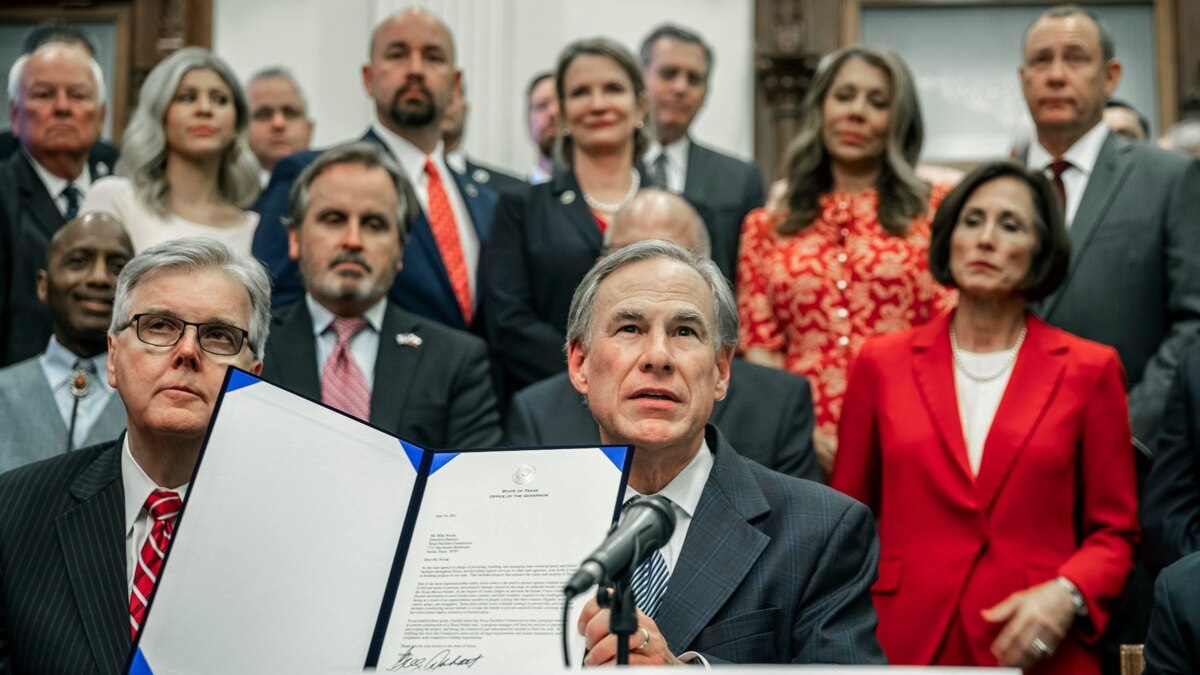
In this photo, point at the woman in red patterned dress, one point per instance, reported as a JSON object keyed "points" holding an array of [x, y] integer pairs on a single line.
{"points": [[845, 257]]}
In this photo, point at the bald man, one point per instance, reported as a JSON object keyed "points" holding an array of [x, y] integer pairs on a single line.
{"points": [[59, 400], [768, 410]]}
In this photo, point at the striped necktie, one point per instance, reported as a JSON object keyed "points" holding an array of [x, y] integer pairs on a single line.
{"points": [[71, 194], [650, 580], [163, 506], [343, 385]]}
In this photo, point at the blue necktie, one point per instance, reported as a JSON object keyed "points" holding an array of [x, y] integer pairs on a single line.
{"points": [[72, 194]]}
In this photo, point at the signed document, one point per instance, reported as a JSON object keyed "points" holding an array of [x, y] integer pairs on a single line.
{"points": [[498, 534], [307, 537]]}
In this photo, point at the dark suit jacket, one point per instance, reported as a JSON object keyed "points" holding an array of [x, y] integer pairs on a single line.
{"points": [[494, 178], [28, 219], [723, 189], [64, 607], [1173, 644], [769, 411], [1134, 280], [422, 287], [774, 569], [1054, 494], [1171, 505], [438, 394]]}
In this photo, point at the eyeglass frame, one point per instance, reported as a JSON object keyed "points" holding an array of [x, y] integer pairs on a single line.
{"points": [[135, 322]]}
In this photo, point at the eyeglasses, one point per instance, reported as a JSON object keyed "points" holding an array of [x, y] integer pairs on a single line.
{"points": [[166, 331]]}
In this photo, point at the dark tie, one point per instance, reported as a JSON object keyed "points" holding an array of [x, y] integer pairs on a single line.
{"points": [[660, 170], [72, 194], [1057, 167], [81, 383]]}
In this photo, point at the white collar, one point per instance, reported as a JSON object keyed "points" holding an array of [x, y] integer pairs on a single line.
{"points": [[1082, 154], [55, 185], [685, 488], [138, 486], [676, 151], [321, 317], [411, 158]]}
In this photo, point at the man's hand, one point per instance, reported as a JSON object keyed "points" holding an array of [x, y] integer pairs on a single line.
{"points": [[1043, 612], [647, 646]]}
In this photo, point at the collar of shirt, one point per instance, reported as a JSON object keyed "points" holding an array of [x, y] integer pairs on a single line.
{"points": [[457, 161], [264, 177], [538, 175], [138, 486], [412, 160], [322, 318], [677, 162], [58, 362], [1082, 155], [55, 185], [684, 491], [364, 347]]}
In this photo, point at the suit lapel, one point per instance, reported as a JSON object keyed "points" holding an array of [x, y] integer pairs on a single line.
{"points": [[697, 184], [395, 367], [1111, 168], [933, 370], [720, 549], [568, 193], [92, 536], [1030, 389], [38, 201], [295, 352]]}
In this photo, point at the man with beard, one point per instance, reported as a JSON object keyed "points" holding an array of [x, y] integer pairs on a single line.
{"points": [[542, 110], [412, 78], [77, 286], [344, 342]]}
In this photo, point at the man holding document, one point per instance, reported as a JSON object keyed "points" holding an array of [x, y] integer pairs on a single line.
{"points": [[83, 534], [761, 567]]}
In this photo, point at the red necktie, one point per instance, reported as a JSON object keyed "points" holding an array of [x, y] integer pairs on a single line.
{"points": [[343, 385], [1057, 167], [163, 506], [445, 233]]}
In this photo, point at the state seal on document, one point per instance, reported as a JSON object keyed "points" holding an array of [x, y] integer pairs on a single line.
{"points": [[524, 474]]}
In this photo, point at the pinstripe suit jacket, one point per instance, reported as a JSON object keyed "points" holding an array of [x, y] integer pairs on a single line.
{"points": [[774, 569], [33, 429], [64, 607]]}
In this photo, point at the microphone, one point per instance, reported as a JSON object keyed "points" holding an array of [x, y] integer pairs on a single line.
{"points": [[646, 527]]}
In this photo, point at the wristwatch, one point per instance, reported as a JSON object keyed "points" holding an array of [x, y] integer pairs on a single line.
{"points": [[1076, 597]]}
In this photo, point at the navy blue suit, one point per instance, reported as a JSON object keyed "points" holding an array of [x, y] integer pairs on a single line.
{"points": [[422, 287]]}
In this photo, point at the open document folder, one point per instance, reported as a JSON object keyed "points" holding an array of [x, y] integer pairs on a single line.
{"points": [[310, 541]]}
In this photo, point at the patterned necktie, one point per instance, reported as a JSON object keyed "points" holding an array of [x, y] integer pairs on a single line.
{"points": [[81, 382], [650, 580], [71, 193], [445, 233], [163, 506], [660, 171], [1057, 167], [343, 385]]}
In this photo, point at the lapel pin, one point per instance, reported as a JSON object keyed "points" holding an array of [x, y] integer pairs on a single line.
{"points": [[101, 169], [567, 197], [472, 191], [480, 176], [408, 340]]}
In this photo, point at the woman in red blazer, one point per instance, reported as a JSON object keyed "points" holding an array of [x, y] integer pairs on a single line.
{"points": [[994, 451]]}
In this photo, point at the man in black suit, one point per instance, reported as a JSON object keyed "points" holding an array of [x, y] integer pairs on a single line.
{"points": [[724, 189], [768, 411], [84, 528], [57, 111], [344, 343], [1173, 643], [454, 126], [1170, 512]]}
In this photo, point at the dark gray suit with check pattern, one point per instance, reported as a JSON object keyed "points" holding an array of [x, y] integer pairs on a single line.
{"points": [[64, 603], [774, 569]]}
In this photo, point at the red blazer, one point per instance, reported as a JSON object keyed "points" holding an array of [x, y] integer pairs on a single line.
{"points": [[1055, 494]]}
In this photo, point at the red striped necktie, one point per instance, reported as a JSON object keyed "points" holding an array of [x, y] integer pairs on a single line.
{"points": [[163, 506]]}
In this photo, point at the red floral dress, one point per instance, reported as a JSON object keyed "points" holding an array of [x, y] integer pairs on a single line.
{"points": [[818, 294]]}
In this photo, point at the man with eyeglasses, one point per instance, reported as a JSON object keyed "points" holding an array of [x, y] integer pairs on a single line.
{"points": [[84, 533]]}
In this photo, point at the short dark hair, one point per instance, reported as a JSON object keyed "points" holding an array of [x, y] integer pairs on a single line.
{"points": [[1053, 254], [1142, 121], [534, 81], [57, 32], [679, 34], [1108, 48]]}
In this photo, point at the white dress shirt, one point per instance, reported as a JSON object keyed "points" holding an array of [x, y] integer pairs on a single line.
{"points": [[677, 162], [55, 185], [364, 346], [58, 365], [1082, 156], [138, 522], [412, 161]]}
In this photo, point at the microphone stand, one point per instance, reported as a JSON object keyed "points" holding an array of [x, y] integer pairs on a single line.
{"points": [[622, 618]]}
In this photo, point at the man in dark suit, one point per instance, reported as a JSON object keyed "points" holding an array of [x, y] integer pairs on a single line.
{"points": [[724, 189], [768, 411], [454, 126], [57, 111], [1173, 644], [84, 528], [541, 112], [761, 567], [412, 78], [344, 343], [1170, 511]]}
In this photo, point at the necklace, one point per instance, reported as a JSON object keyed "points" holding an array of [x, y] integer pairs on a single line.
{"points": [[609, 208], [984, 377]]}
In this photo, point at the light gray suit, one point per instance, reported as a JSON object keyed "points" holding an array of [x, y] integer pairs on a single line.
{"points": [[1134, 280], [33, 429]]}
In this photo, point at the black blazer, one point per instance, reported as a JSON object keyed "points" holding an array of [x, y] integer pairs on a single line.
{"points": [[438, 394], [1173, 644], [64, 607], [723, 189], [28, 219], [768, 411], [494, 178]]}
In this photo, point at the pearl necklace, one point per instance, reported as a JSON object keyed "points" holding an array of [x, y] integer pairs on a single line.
{"points": [[609, 208], [985, 377]]}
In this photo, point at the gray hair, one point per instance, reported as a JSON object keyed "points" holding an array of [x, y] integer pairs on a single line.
{"points": [[583, 302], [279, 73], [1108, 49], [144, 150], [362, 153], [195, 253], [18, 71]]}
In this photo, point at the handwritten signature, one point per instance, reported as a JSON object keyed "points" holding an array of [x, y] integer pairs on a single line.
{"points": [[442, 659]]}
